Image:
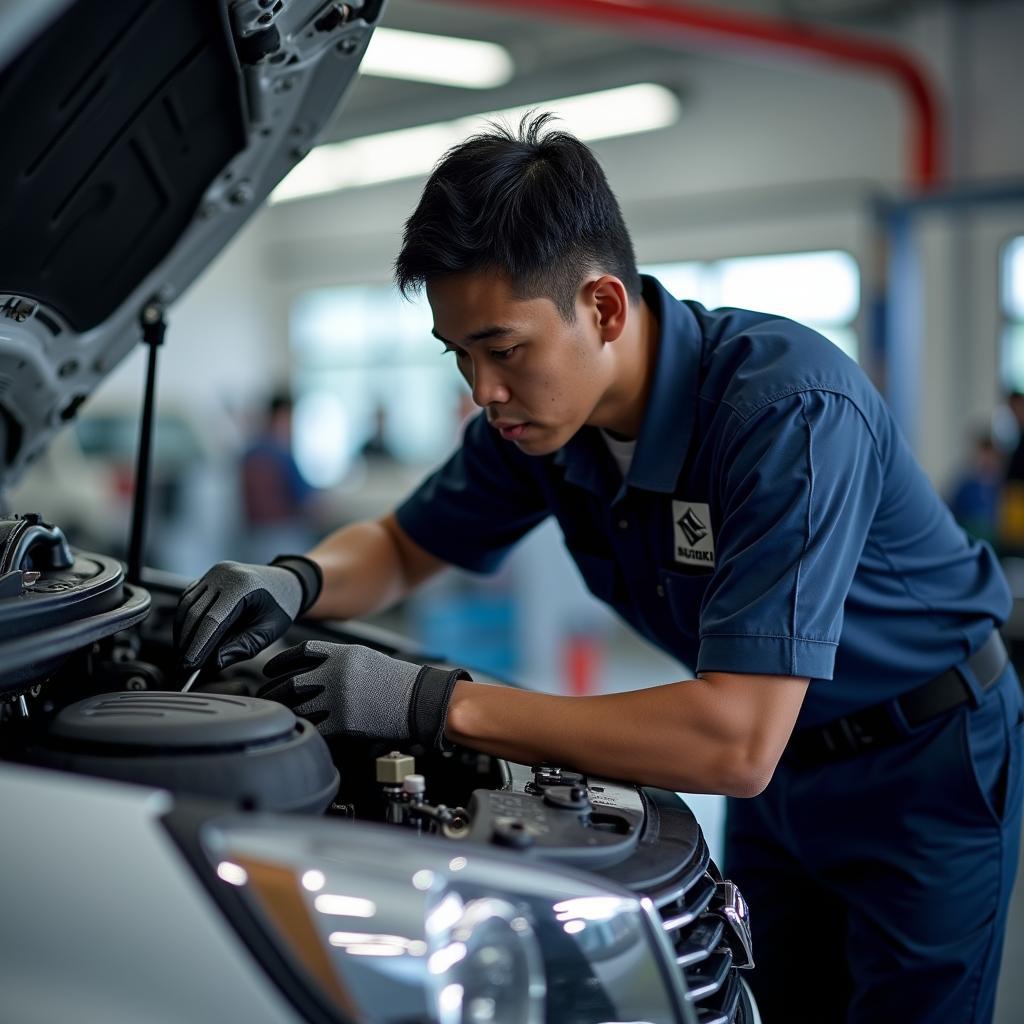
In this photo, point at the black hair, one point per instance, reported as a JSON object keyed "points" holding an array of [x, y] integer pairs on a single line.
{"points": [[534, 207], [279, 401]]}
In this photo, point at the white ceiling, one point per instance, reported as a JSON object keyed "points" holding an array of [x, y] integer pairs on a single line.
{"points": [[557, 57]]}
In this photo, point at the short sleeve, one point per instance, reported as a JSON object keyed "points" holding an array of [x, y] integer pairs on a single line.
{"points": [[800, 484], [472, 510]]}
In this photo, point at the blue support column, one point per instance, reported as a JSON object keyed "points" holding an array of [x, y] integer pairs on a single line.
{"points": [[904, 317], [899, 313]]}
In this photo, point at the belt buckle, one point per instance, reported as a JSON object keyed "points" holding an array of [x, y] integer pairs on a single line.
{"points": [[838, 739], [855, 734], [860, 735]]}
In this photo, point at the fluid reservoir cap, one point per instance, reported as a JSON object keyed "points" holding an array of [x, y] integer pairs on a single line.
{"points": [[169, 719], [567, 798], [414, 784]]}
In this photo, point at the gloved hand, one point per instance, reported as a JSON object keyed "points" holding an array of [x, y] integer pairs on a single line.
{"points": [[348, 690], [237, 609]]}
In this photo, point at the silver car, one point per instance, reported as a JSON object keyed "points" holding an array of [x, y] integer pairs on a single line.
{"points": [[206, 855]]}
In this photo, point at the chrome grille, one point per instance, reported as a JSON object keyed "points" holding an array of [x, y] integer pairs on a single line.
{"points": [[707, 950]]}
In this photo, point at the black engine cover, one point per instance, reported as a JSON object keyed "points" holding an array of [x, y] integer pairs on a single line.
{"points": [[254, 753]]}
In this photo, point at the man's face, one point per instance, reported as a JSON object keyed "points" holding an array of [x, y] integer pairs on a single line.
{"points": [[538, 378]]}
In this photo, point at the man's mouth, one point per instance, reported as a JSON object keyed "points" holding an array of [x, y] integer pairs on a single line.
{"points": [[510, 431]]}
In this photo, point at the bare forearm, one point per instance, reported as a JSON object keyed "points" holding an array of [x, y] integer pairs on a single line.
{"points": [[677, 736], [363, 572]]}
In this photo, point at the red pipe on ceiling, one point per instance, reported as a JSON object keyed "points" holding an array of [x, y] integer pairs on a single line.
{"points": [[716, 30]]}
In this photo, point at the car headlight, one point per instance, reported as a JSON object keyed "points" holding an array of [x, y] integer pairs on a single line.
{"points": [[438, 931]]}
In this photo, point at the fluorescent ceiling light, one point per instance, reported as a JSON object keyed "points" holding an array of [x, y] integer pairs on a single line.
{"points": [[443, 60], [410, 152]]}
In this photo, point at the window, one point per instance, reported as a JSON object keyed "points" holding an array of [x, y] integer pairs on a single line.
{"points": [[819, 289], [1013, 315], [368, 373]]}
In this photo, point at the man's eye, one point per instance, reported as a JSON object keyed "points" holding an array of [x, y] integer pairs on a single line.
{"points": [[501, 354], [459, 353]]}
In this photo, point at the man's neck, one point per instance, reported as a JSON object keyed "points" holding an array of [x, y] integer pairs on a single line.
{"points": [[623, 412]]}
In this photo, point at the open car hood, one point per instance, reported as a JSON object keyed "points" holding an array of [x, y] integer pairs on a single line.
{"points": [[139, 136]]}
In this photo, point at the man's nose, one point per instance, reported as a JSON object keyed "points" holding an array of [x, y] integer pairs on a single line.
{"points": [[488, 388]]}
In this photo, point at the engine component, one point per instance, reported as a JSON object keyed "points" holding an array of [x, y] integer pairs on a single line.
{"points": [[254, 753], [406, 801], [51, 611], [26, 542]]}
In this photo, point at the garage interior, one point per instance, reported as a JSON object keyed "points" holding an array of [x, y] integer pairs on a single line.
{"points": [[854, 164]]}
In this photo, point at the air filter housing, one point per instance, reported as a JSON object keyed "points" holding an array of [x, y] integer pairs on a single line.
{"points": [[252, 752]]}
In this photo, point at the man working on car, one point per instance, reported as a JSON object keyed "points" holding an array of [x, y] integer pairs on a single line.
{"points": [[736, 489]]}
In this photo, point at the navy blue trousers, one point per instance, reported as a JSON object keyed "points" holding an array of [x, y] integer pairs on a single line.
{"points": [[878, 886]]}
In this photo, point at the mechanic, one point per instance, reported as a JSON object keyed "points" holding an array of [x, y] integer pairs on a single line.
{"points": [[735, 488]]}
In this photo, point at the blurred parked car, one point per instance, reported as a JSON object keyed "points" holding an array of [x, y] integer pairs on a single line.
{"points": [[85, 480]]}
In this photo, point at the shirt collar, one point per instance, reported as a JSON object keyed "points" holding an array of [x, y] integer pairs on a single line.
{"points": [[667, 425], [672, 403], [588, 463]]}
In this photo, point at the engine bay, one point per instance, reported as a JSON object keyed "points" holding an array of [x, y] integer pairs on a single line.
{"points": [[113, 708], [90, 684]]}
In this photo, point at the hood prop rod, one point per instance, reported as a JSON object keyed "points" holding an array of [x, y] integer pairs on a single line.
{"points": [[153, 327]]}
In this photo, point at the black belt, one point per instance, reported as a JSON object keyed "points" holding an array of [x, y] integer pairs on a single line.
{"points": [[877, 726]]}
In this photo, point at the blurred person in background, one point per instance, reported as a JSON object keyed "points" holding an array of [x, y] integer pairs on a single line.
{"points": [[376, 446], [976, 494], [276, 497], [735, 488], [1015, 465], [1011, 506]]}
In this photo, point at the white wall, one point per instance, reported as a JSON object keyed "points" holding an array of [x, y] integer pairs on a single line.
{"points": [[226, 342]]}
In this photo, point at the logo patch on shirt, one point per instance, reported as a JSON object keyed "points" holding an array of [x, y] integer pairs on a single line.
{"points": [[694, 541]]}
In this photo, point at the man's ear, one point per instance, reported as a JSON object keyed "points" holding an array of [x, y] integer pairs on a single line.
{"points": [[608, 303]]}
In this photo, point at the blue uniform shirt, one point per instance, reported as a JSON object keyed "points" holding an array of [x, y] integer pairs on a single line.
{"points": [[773, 519]]}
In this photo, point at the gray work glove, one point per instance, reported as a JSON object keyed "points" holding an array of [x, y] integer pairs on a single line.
{"points": [[236, 610], [348, 690]]}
